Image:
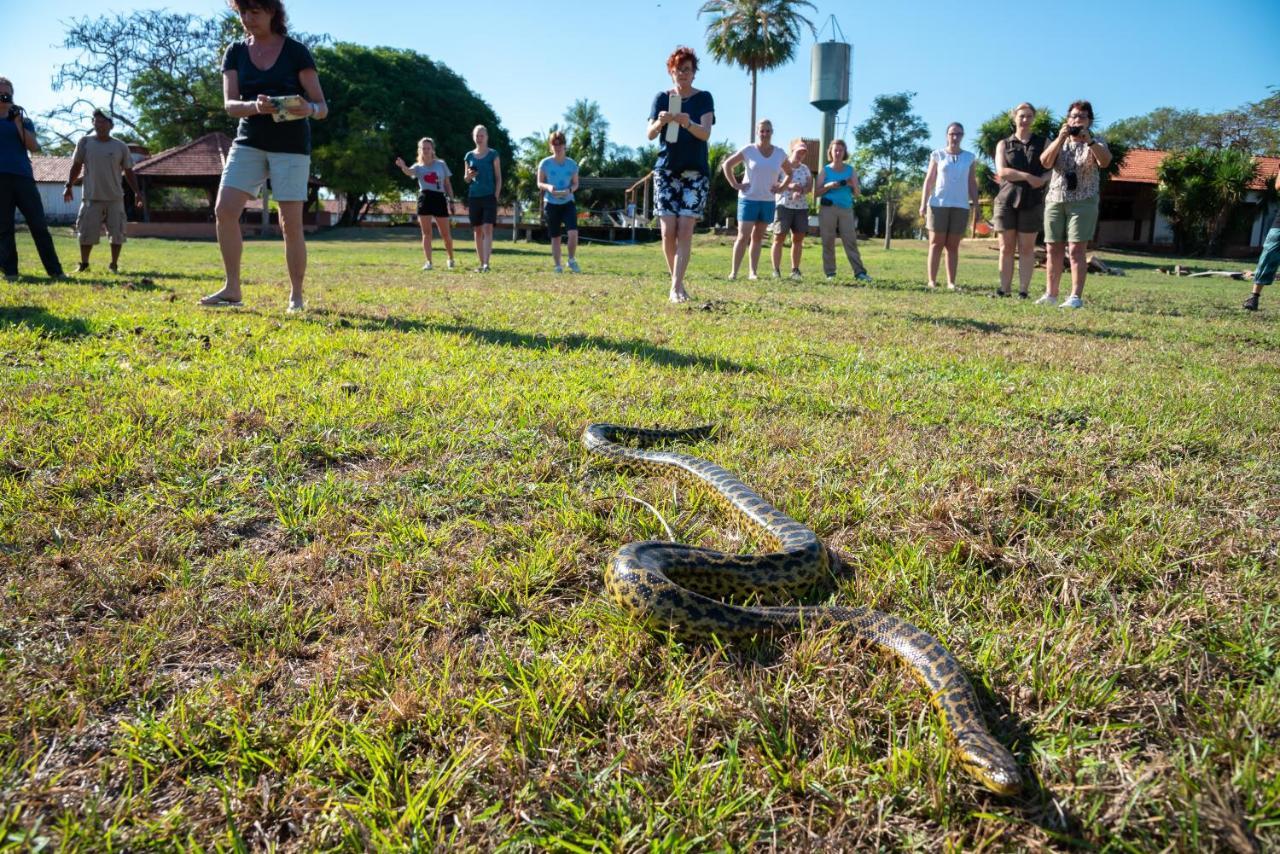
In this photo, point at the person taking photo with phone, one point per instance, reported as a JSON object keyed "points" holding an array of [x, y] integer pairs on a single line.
{"points": [[1077, 159], [18, 191]]}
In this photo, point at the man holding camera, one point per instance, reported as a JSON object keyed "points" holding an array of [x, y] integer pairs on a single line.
{"points": [[102, 159], [18, 189]]}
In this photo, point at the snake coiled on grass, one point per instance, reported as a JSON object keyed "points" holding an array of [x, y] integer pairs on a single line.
{"points": [[689, 591]]}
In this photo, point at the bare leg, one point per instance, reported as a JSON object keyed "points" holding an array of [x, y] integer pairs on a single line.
{"points": [[424, 223], [115, 253], [555, 250], [740, 247], [227, 212], [757, 239], [573, 243], [1053, 267], [953, 258], [1079, 267], [486, 239], [684, 243], [669, 227], [936, 241], [1026, 260], [85, 249], [446, 234], [1008, 241], [776, 251], [797, 247], [295, 247], [477, 234]]}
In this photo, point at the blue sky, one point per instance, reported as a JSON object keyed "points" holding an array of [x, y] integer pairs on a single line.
{"points": [[530, 61]]}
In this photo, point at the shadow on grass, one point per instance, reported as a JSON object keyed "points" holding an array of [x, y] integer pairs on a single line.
{"points": [[988, 327], [35, 317], [533, 341]]}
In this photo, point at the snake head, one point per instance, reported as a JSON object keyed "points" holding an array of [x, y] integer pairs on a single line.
{"points": [[988, 762]]}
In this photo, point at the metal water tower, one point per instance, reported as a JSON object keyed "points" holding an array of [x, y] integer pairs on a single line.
{"points": [[829, 81]]}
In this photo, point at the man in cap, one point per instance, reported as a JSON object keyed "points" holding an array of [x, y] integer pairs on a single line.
{"points": [[102, 158]]}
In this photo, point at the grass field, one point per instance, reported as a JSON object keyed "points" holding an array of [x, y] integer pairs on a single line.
{"points": [[333, 581]]}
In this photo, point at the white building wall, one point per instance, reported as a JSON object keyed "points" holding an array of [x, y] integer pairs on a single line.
{"points": [[55, 209]]}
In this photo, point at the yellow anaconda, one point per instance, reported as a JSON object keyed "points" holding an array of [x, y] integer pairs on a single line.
{"points": [[679, 588]]}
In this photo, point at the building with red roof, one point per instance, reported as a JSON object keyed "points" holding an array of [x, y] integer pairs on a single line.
{"points": [[1130, 217]]}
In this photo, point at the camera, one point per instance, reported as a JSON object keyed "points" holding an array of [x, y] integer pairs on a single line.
{"points": [[1074, 131], [1071, 180], [6, 97]]}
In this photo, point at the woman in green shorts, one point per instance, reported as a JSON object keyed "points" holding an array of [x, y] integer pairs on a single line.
{"points": [[1077, 159]]}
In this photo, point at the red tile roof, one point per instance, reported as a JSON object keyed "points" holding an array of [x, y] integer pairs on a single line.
{"points": [[1141, 164], [51, 170], [202, 158]]}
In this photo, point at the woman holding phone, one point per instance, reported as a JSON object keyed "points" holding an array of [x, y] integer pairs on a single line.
{"points": [[1077, 159], [681, 119], [834, 190], [269, 82]]}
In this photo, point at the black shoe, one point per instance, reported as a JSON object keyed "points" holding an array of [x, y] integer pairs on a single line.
{"points": [[113, 268], [1251, 304], [1023, 295], [999, 294], [82, 267]]}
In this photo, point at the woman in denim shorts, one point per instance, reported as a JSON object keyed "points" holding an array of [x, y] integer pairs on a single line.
{"points": [[765, 170], [681, 176], [269, 82]]}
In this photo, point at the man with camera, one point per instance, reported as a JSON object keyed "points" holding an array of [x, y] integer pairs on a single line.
{"points": [[18, 191], [102, 159]]}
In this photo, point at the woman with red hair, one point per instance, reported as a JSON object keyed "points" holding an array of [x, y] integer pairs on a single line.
{"points": [[681, 120]]}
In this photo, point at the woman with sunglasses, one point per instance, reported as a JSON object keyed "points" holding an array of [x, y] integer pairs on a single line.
{"points": [[950, 187]]}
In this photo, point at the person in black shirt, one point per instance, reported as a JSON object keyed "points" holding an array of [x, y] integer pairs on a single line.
{"points": [[1268, 261], [269, 82], [1019, 206], [681, 177], [18, 190]]}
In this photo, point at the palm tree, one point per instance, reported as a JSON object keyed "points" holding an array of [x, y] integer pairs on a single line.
{"points": [[755, 34], [588, 132]]}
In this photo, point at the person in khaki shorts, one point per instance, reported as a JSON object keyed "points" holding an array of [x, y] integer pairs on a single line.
{"points": [[950, 187], [102, 160]]}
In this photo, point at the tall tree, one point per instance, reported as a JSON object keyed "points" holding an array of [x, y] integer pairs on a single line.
{"points": [[588, 132], [894, 138], [1252, 127], [381, 101], [757, 35], [1198, 191]]}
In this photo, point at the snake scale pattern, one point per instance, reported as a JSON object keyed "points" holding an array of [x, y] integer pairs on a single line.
{"points": [[689, 591]]}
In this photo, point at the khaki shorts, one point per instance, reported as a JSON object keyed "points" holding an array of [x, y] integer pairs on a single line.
{"points": [[248, 168], [795, 220], [947, 220], [1070, 222], [1023, 221], [91, 217]]}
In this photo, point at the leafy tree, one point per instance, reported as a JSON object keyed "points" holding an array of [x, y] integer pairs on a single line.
{"points": [[1253, 127], [381, 102], [588, 135], [1000, 126], [893, 138], [756, 35], [722, 199], [1198, 191]]}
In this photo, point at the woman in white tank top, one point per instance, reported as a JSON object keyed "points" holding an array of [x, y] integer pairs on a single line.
{"points": [[950, 186]]}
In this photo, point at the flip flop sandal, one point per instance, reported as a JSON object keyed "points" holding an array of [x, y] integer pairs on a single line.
{"points": [[219, 302]]}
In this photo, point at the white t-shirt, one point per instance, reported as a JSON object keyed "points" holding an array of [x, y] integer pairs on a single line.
{"points": [[951, 189], [762, 173]]}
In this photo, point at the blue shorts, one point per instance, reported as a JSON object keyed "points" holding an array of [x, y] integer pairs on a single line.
{"points": [[752, 211]]}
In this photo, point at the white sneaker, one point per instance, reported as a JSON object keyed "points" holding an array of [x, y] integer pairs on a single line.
{"points": [[795, 275], [484, 268], [426, 266], [831, 277], [753, 278], [451, 264], [559, 269], [951, 286], [1044, 300], [1072, 302], [732, 277], [296, 306], [777, 274], [573, 266]]}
